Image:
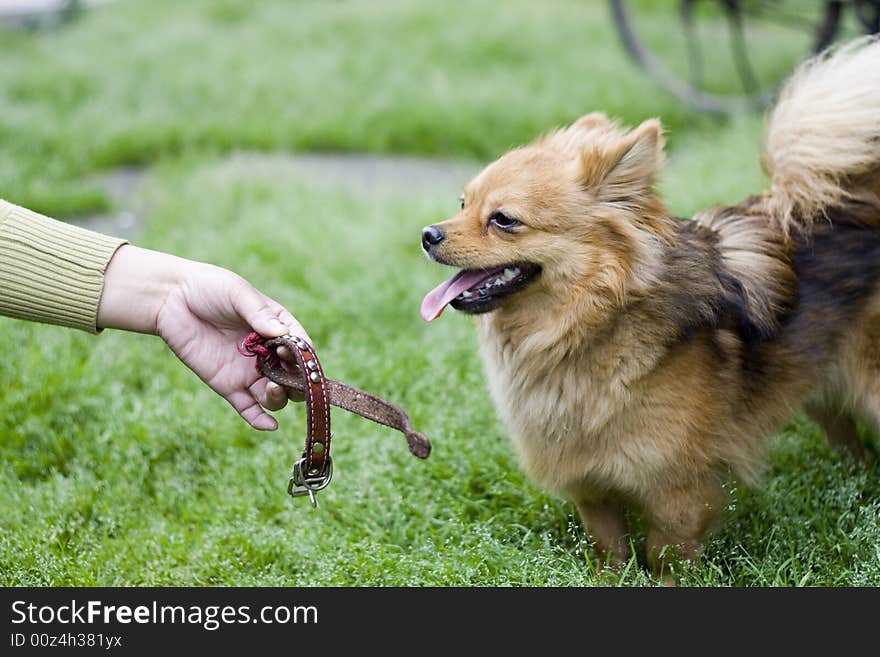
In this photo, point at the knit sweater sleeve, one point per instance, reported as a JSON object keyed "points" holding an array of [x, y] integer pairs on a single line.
{"points": [[51, 271]]}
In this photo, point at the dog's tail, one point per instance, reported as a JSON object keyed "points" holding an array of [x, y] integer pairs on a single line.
{"points": [[822, 145]]}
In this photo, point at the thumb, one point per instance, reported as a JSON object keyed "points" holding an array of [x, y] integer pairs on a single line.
{"points": [[259, 312]]}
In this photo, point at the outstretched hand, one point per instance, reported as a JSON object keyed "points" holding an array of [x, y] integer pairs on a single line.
{"points": [[203, 313]]}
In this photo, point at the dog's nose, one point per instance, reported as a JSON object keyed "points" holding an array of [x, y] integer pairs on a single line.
{"points": [[432, 236]]}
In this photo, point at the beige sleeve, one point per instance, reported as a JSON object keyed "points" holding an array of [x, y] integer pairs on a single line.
{"points": [[51, 271]]}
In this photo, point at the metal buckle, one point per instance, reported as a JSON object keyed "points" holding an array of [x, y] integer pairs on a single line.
{"points": [[300, 484]]}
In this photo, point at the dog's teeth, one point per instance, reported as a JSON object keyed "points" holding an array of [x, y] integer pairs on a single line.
{"points": [[510, 274], [465, 294]]}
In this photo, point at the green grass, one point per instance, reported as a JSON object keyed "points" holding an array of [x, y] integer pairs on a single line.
{"points": [[141, 81], [117, 467]]}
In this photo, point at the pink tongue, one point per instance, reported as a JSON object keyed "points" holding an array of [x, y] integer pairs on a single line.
{"points": [[438, 298]]}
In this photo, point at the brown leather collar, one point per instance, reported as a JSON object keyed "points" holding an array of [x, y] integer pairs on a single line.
{"points": [[313, 471]]}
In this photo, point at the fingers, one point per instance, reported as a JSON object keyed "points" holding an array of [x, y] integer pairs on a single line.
{"points": [[284, 353], [266, 316], [259, 311], [273, 397], [276, 396], [295, 395], [251, 411], [270, 319], [294, 326], [263, 395]]}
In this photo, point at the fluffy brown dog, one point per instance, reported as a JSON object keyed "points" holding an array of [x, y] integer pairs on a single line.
{"points": [[639, 361]]}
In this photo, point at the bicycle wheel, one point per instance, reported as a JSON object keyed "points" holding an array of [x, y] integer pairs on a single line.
{"points": [[724, 56]]}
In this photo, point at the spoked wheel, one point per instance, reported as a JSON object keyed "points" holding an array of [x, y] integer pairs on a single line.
{"points": [[725, 56]]}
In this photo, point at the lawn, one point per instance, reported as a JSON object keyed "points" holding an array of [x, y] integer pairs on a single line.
{"points": [[117, 467]]}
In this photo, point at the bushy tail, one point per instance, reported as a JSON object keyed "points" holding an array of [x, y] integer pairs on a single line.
{"points": [[822, 146]]}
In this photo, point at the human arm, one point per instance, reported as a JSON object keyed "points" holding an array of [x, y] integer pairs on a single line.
{"points": [[57, 273], [202, 312]]}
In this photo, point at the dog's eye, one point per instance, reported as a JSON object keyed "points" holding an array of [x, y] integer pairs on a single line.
{"points": [[504, 222]]}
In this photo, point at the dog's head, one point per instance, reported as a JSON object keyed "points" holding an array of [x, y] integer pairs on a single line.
{"points": [[570, 219]]}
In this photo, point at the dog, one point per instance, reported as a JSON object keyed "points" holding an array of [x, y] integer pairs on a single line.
{"points": [[640, 362]]}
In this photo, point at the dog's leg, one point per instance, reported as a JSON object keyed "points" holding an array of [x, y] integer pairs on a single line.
{"points": [[840, 429], [678, 521], [606, 524]]}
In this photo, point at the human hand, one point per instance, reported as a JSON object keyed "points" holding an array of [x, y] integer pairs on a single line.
{"points": [[203, 313]]}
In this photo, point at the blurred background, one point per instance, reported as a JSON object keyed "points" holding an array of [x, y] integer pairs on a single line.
{"points": [[303, 144], [90, 86]]}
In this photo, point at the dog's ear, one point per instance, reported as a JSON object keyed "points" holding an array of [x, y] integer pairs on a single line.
{"points": [[572, 139], [627, 164], [591, 121]]}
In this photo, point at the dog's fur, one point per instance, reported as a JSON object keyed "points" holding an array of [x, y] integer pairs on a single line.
{"points": [[652, 358]]}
